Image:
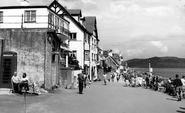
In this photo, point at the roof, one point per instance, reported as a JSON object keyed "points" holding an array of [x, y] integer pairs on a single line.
{"points": [[105, 54], [67, 14], [29, 7], [90, 24], [111, 62], [20, 7], [75, 12]]}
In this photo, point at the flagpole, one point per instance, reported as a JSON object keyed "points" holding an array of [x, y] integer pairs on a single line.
{"points": [[149, 66]]}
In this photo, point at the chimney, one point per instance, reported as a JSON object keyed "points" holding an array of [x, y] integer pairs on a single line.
{"points": [[24, 3]]}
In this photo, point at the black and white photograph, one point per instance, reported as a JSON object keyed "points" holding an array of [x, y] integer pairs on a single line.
{"points": [[92, 56]]}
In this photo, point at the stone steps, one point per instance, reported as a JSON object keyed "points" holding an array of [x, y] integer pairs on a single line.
{"points": [[5, 91]]}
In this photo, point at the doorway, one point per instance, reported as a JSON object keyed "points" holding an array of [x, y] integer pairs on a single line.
{"points": [[8, 67]]}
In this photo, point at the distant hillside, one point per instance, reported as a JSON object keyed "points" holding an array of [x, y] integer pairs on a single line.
{"points": [[158, 62]]}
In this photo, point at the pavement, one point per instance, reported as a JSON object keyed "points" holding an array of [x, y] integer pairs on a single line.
{"points": [[99, 98]]}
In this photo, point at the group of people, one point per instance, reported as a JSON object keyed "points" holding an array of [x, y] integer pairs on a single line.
{"points": [[111, 76], [19, 83], [174, 87]]}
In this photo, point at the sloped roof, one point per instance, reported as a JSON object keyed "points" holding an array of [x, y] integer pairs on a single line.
{"points": [[89, 23], [111, 62], [68, 14], [116, 57], [75, 12], [105, 54]]}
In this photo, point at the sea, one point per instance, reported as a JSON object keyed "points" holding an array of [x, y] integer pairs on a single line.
{"points": [[164, 72]]}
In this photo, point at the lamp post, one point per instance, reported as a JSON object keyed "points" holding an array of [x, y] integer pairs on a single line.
{"points": [[150, 69]]}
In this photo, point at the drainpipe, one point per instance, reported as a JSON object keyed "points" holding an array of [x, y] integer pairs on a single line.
{"points": [[2, 49], [45, 44], [84, 50]]}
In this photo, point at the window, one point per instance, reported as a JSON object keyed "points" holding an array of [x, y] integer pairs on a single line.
{"points": [[30, 16], [87, 56], [92, 57], [51, 19], [73, 54], [86, 39], [73, 36], [1, 17], [56, 23]]}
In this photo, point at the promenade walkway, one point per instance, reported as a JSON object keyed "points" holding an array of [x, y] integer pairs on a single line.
{"points": [[110, 98]]}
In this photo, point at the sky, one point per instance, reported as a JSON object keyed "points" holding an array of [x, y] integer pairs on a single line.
{"points": [[134, 28]]}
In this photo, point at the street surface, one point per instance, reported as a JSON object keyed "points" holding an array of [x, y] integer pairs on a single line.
{"points": [[110, 98]]}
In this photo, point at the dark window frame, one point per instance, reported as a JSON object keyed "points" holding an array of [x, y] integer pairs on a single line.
{"points": [[73, 36], [26, 20], [1, 17], [87, 55]]}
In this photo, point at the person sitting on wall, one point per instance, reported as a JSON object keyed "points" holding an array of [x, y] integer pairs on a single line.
{"points": [[24, 82], [16, 83]]}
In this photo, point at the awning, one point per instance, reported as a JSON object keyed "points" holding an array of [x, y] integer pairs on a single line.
{"points": [[62, 37]]}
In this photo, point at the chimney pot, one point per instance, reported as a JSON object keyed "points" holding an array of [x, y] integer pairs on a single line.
{"points": [[25, 3]]}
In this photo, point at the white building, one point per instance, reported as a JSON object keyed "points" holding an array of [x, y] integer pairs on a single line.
{"points": [[40, 26], [91, 25], [78, 33], [84, 37]]}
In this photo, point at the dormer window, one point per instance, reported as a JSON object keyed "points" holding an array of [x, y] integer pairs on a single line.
{"points": [[30, 16]]}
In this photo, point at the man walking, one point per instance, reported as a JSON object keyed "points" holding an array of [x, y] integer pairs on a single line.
{"points": [[178, 86], [80, 82]]}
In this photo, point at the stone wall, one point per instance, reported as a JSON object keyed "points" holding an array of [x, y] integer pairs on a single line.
{"points": [[34, 54], [66, 78]]}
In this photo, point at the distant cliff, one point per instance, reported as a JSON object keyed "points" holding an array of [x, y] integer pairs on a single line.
{"points": [[158, 62]]}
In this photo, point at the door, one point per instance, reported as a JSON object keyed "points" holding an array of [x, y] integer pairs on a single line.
{"points": [[9, 66]]}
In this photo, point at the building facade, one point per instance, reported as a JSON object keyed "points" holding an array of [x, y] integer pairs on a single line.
{"points": [[90, 24], [39, 37]]}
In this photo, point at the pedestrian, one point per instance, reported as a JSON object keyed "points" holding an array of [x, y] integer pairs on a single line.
{"points": [[80, 82], [16, 83], [147, 81], [183, 86], [85, 80], [178, 87], [117, 77], [105, 78], [88, 81], [112, 77]]}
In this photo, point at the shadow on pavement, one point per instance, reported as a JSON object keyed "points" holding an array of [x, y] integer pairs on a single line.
{"points": [[180, 111], [171, 99], [79, 93], [182, 108]]}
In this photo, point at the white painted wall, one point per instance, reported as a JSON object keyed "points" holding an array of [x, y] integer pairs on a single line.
{"points": [[12, 18], [78, 44]]}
